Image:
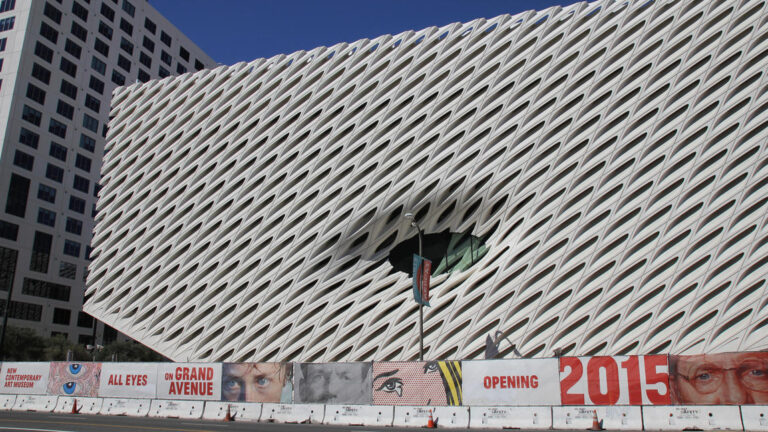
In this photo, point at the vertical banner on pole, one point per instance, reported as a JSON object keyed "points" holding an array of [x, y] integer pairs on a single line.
{"points": [[422, 269]]}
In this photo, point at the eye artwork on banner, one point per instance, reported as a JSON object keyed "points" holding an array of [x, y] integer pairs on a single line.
{"points": [[719, 379], [257, 382], [332, 383], [74, 379], [417, 383], [128, 380], [510, 382], [620, 380], [191, 381], [24, 378]]}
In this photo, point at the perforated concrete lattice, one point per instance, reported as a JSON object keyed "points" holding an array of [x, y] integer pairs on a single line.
{"points": [[612, 154]]}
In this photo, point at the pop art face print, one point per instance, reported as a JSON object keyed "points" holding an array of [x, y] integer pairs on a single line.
{"points": [[74, 379], [417, 383]]}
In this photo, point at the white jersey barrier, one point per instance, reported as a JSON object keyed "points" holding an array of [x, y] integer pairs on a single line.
{"points": [[85, 405], [6, 402], [538, 417], [183, 409], [359, 415], [126, 407], [292, 413], [701, 417], [35, 403], [611, 417], [755, 417], [239, 411], [443, 416]]}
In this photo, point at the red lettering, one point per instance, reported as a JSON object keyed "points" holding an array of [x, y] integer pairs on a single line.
{"points": [[534, 381], [612, 392], [495, 381], [653, 376], [503, 382], [575, 370], [633, 380], [111, 380], [487, 382], [524, 382]]}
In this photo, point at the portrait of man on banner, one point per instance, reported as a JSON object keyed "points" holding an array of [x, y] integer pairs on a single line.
{"points": [[719, 379], [422, 269]]}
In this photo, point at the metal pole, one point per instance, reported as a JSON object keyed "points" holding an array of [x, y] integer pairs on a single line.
{"points": [[421, 306]]}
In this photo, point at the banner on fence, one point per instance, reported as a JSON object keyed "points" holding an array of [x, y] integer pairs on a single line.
{"points": [[74, 379], [621, 380], [332, 383], [417, 383], [191, 381], [257, 382], [510, 382], [719, 379], [24, 378], [128, 380]]}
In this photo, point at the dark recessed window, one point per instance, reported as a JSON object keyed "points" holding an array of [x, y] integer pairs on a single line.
{"points": [[7, 23], [49, 33], [199, 65], [36, 94], [61, 316], [76, 204], [82, 162], [148, 44], [68, 89], [82, 184], [80, 11], [67, 270], [73, 48], [92, 103], [180, 68], [7, 5], [165, 38], [29, 138], [79, 31], [96, 85], [165, 57], [90, 123], [107, 12], [41, 73], [149, 25], [46, 193], [84, 320], [96, 189], [16, 201], [46, 217], [117, 78], [31, 115], [144, 76], [163, 72], [183, 53], [65, 109], [72, 248], [98, 65], [124, 63], [43, 289], [23, 160], [145, 59], [68, 67], [57, 128], [54, 173], [101, 47], [51, 12], [87, 143], [3, 43], [105, 30], [126, 45], [126, 27], [58, 151], [129, 8], [43, 52], [41, 254], [8, 231]]}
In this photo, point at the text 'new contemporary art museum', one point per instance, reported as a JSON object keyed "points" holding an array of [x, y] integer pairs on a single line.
{"points": [[590, 179]]}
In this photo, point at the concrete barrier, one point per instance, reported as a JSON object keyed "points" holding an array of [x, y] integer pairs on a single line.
{"points": [[125, 407], [240, 411], [359, 415], [701, 417], [182, 409], [755, 417], [538, 417], [612, 417], [6, 402], [292, 413], [35, 403], [85, 405], [444, 416]]}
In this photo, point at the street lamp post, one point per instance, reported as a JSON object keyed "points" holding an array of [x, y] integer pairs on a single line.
{"points": [[421, 305]]}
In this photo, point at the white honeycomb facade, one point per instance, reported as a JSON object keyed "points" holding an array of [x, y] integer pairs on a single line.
{"points": [[613, 153]]}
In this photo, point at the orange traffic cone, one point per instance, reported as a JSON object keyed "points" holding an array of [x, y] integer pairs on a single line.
{"points": [[229, 417], [596, 423], [75, 410], [431, 421]]}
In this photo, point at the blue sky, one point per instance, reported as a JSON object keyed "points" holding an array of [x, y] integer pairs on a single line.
{"points": [[242, 30]]}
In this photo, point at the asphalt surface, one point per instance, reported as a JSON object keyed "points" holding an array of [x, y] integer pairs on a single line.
{"points": [[48, 422]]}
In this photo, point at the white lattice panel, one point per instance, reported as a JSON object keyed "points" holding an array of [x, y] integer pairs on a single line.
{"points": [[613, 152]]}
